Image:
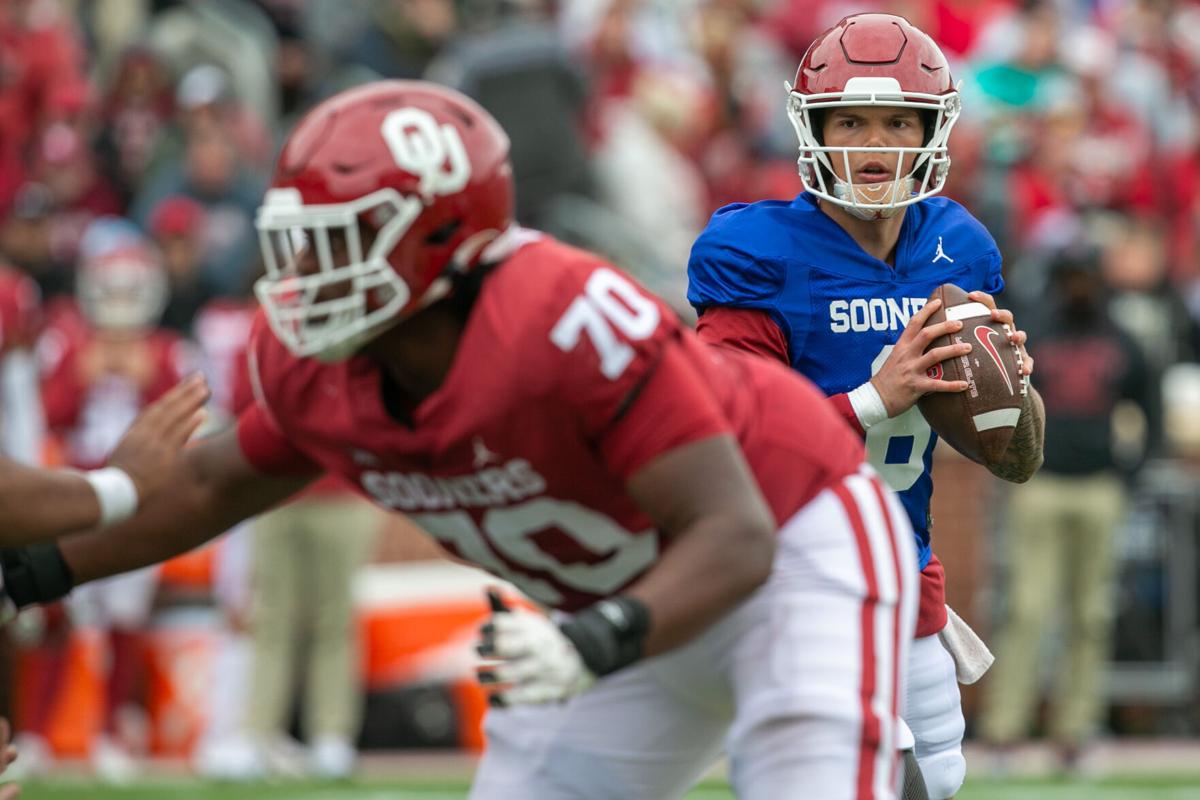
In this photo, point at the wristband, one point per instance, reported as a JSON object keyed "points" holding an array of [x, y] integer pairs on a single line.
{"points": [[115, 492], [868, 405], [35, 574], [610, 634]]}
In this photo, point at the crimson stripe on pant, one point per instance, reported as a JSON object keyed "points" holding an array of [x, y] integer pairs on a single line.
{"points": [[869, 741], [897, 644]]}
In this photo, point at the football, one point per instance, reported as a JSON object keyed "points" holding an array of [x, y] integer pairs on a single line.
{"points": [[980, 421]]}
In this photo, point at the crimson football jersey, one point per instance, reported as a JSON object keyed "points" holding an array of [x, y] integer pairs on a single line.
{"points": [[91, 417], [568, 378]]}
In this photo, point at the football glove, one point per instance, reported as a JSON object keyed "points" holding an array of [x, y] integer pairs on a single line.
{"points": [[530, 659], [540, 661]]}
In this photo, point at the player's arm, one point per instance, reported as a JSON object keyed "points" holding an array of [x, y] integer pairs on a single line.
{"points": [[753, 331], [719, 544], [749, 330], [211, 488], [904, 377], [719, 538], [894, 389], [38, 504]]}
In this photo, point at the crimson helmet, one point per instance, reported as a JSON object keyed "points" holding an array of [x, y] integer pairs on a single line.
{"points": [[881, 60], [423, 167]]}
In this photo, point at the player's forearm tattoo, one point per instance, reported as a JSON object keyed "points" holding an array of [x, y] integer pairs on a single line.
{"points": [[1024, 454]]}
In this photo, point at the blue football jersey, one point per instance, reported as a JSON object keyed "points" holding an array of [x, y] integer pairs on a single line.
{"points": [[841, 309]]}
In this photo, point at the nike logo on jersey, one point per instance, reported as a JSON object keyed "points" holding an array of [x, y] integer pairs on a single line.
{"points": [[941, 254], [494, 486], [873, 314], [483, 456]]}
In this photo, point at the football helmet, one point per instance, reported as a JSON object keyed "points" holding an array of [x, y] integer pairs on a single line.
{"points": [[876, 60], [123, 288], [380, 195]]}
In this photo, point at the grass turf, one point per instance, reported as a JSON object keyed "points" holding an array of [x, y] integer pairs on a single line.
{"points": [[1109, 789]]}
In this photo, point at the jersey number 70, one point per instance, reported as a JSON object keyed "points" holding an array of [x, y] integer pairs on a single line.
{"points": [[609, 303]]}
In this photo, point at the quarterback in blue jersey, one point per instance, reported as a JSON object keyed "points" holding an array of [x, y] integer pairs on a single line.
{"points": [[835, 284]]}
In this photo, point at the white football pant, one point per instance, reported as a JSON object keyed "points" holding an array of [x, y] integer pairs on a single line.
{"points": [[933, 717], [800, 683]]}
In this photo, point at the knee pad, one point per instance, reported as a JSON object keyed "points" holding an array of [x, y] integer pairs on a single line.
{"points": [[944, 773]]}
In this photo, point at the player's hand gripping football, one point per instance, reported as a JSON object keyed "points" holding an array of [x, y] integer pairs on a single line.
{"points": [[905, 376], [150, 447], [1005, 317], [527, 658]]}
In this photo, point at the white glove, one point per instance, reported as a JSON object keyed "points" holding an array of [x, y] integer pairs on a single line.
{"points": [[529, 659]]}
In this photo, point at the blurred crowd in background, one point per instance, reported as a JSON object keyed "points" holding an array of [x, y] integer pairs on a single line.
{"points": [[151, 126]]}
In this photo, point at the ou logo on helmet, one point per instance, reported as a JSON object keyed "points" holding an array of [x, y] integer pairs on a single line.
{"points": [[434, 153]]}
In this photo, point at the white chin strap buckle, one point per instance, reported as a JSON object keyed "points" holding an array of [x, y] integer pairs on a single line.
{"points": [[858, 199]]}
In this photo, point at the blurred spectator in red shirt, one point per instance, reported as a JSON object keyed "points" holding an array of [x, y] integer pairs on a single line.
{"points": [[1113, 165], [41, 228], [66, 164], [137, 109], [602, 36], [645, 167], [41, 77]]}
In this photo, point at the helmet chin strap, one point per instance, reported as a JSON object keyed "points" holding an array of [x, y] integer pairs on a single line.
{"points": [[852, 195]]}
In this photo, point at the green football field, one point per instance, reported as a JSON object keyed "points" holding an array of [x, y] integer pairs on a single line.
{"points": [[1110, 789]]}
